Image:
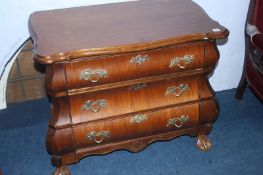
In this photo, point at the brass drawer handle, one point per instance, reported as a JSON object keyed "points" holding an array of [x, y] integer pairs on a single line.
{"points": [[139, 118], [177, 91], [94, 106], [99, 136], [93, 75], [182, 62], [137, 87], [139, 59], [178, 121]]}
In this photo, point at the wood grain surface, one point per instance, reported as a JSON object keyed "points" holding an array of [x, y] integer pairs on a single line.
{"points": [[120, 27], [103, 100]]}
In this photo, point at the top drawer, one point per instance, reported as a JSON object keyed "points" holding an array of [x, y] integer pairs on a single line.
{"points": [[101, 70]]}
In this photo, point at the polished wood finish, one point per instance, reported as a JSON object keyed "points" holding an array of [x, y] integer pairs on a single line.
{"points": [[125, 80], [118, 28], [151, 67]]}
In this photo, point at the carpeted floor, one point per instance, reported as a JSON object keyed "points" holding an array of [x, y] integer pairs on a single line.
{"points": [[237, 145]]}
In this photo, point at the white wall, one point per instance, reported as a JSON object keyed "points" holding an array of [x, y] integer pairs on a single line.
{"points": [[232, 15], [13, 32]]}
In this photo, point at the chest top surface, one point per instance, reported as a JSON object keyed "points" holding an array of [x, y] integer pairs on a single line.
{"points": [[119, 27]]}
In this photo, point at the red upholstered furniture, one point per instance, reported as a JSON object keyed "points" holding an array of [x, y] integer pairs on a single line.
{"points": [[253, 65]]}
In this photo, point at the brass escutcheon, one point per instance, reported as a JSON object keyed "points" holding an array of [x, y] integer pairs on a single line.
{"points": [[98, 136], [177, 90], [178, 121], [139, 118], [137, 87], [139, 59], [94, 106], [182, 62], [93, 75]]}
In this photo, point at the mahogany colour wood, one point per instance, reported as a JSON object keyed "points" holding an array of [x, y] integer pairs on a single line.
{"points": [[117, 28], [124, 75]]}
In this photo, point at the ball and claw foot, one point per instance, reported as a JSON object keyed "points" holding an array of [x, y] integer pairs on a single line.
{"points": [[203, 143], [63, 170]]}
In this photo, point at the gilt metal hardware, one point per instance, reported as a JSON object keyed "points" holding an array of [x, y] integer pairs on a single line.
{"points": [[137, 87], [98, 136], [139, 59], [94, 106], [93, 75], [182, 62], [177, 90], [139, 118], [178, 121]]}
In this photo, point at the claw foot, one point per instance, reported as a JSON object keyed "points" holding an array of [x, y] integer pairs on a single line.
{"points": [[63, 170], [203, 143]]}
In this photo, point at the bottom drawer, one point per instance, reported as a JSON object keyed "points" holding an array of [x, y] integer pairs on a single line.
{"points": [[135, 126]]}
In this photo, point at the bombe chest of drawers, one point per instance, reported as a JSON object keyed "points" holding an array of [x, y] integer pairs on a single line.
{"points": [[124, 75]]}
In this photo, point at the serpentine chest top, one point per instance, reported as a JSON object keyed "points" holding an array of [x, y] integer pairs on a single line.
{"points": [[124, 75]]}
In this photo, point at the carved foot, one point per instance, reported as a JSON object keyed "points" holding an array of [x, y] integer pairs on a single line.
{"points": [[63, 170], [203, 143]]}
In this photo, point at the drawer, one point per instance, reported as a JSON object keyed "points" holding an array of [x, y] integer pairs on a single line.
{"points": [[109, 69], [128, 99], [135, 126]]}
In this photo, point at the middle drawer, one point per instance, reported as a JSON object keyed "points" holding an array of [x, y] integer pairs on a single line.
{"points": [[129, 99]]}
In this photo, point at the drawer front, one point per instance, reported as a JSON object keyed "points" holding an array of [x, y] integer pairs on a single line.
{"points": [[135, 126], [113, 102], [97, 71], [99, 105]]}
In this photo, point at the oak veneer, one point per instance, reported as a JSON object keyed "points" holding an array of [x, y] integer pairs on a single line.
{"points": [[124, 80]]}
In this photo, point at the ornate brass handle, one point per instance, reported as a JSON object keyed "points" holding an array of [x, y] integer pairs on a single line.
{"points": [[182, 62], [98, 136], [93, 75], [94, 106], [139, 118], [177, 91], [139, 59], [178, 121]]}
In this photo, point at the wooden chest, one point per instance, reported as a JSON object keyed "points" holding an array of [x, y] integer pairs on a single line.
{"points": [[124, 75]]}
